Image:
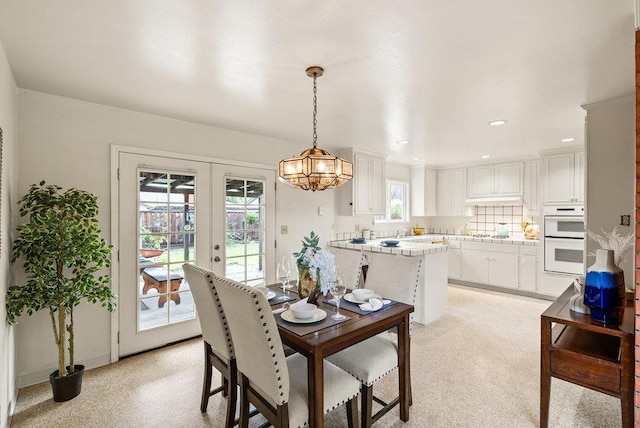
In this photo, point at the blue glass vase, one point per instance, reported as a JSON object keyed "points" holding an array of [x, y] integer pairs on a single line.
{"points": [[604, 290]]}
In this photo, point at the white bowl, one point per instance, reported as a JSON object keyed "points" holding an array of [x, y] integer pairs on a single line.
{"points": [[363, 294], [303, 311]]}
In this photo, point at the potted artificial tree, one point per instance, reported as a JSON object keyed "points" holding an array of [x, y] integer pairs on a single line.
{"points": [[62, 253]]}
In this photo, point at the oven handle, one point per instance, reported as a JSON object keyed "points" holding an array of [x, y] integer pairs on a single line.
{"points": [[563, 239]]}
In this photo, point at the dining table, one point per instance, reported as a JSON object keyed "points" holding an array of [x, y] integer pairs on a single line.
{"points": [[319, 339]]}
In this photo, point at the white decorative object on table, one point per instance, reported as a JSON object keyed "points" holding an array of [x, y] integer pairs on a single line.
{"points": [[576, 303]]}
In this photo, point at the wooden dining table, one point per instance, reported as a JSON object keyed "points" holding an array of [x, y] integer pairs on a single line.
{"points": [[319, 341]]}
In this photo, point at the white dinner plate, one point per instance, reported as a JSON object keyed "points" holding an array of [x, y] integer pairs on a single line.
{"points": [[270, 295], [349, 297], [318, 315]]}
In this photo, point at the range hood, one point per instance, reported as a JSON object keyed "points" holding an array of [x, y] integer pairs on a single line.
{"points": [[495, 200]]}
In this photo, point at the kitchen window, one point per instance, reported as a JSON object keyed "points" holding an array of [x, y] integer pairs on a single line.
{"points": [[397, 203]]}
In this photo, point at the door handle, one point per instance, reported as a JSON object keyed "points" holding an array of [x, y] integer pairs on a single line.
{"points": [[216, 259], [216, 247]]}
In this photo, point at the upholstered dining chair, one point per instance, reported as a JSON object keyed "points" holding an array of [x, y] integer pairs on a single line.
{"points": [[395, 278], [276, 385], [218, 347], [350, 264]]}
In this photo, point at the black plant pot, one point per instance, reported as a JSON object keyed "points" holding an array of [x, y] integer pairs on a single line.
{"points": [[67, 387]]}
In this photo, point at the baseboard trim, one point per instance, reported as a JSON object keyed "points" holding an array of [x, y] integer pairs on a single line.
{"points": [[503, 290], [40, 376]]}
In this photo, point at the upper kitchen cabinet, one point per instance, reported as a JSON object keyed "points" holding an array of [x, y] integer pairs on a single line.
{"points": [[495, 180], [423, 192], [365, 193], [564, 178], [531, 197], [452, 192]]}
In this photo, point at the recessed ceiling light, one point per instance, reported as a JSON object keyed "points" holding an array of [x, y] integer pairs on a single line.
{"points": [[485, 156], [416, 158], [403, 142], [497, 122], [568, 140]]}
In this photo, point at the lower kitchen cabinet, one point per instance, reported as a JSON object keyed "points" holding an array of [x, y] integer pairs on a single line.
{"points": [[454, 254], [500, 265], [528, 270]]}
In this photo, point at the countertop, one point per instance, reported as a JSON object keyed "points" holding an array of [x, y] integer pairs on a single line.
{"points": [[424, 244]]}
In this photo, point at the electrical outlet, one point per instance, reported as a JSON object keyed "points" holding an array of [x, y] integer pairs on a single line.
{"points": [[625, 220], [357, 228], [284, 230]]}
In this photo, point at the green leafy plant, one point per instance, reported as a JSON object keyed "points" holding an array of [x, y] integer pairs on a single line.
{"points": [[62, 252], [150, 240]]}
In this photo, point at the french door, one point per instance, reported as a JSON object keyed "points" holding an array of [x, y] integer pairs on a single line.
{"points": [[173, 211]]}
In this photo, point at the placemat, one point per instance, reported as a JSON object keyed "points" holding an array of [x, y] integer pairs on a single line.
{"points": [[355, 307], [304, 329], [276, 300]]}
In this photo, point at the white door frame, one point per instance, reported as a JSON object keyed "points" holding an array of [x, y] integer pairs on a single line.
{"points": [[115, 195]]}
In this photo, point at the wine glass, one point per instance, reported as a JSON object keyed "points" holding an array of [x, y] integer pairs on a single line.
{"points": [[336, 274], [283, 272], [337, 290], [295, 273]]}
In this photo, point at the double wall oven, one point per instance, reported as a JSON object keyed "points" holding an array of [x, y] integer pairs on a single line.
{"points": [[564, 239]]}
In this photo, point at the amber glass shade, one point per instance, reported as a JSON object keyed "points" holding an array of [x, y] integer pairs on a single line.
{"points": [[315, 169]]}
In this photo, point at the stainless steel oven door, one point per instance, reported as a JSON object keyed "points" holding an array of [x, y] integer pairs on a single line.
{"points": [[564, 255], [564, 226]]}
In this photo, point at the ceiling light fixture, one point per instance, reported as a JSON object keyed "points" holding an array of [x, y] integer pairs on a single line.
{"points": [[402, 142], [416, 158], [567, 140], [485, 156], [497, 122], [315, 169]]}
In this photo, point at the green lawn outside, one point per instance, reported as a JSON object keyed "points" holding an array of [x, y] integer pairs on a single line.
{"points": [[233, 250]]}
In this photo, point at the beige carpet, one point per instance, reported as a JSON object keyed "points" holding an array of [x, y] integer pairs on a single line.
{"points": [[478, 366]]}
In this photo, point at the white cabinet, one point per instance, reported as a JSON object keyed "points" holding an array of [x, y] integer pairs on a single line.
{"points": [[528, 268], [489, 263], [564, 178], [454, 254], [451, 192], [365, 193], [423, 192], [496, 180], [531, 197]]}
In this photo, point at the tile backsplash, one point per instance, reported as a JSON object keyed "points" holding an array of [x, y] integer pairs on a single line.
{"points": [[487, 218]]}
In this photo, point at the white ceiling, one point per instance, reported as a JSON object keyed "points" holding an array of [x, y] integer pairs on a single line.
{"points": [[433, 72]]}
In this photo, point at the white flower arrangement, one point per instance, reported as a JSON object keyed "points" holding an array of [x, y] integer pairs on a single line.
{"points": [[319, 262], [613, 241]]}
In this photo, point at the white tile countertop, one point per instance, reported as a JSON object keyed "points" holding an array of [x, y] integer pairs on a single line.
{"points": [[406, 247], [426, 244]]}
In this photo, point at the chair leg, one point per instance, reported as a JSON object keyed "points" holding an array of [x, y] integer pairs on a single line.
{"points": [[244, 402], [225, 385], [352, 412], [366, 405], [232, 398], [206, 383]]}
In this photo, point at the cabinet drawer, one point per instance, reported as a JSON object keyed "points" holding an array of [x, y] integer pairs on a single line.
{"points": [[489, 246], [586, 371], [528, 250]]}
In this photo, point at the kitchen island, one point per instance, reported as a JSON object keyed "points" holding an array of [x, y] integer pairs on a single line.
{"points": [[431, 296]]}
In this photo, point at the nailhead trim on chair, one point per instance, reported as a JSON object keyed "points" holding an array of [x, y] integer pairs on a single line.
{"points": [[266, 331], [224, 319]]}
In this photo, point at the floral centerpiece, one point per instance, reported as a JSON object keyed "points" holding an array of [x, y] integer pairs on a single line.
{"points": [[317, 268]]}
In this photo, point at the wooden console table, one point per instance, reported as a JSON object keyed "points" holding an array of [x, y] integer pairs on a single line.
{"points": [[587, 353]]}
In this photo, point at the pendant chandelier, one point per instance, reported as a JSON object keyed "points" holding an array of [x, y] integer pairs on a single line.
{"points": [[315, 169]]}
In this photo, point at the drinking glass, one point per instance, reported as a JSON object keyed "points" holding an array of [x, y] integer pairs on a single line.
{"points": [[283, 271], [337, 290], [295, 273]]}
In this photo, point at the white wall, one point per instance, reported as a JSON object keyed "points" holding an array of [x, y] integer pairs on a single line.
{"points": [[67, 142], [610, 164], [9, 125]]}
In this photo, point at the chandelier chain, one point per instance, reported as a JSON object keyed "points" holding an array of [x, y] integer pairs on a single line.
{"points": [[315, 111]]}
